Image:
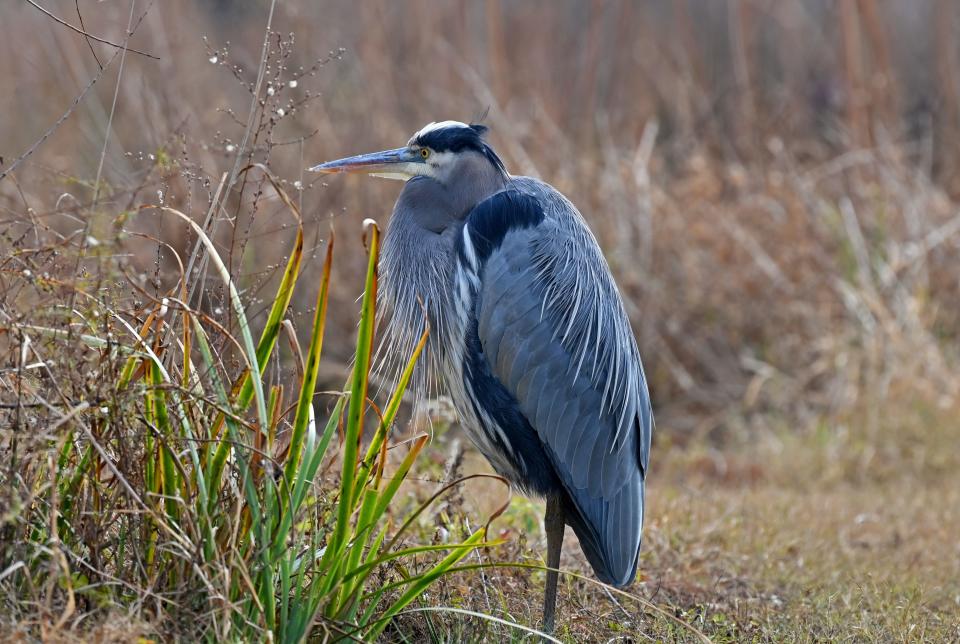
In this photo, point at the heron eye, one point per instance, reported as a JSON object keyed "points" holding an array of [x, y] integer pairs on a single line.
{"points": [[424, 152]]}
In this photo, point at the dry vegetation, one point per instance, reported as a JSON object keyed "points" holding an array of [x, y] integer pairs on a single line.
{"points": [[776, 185]]}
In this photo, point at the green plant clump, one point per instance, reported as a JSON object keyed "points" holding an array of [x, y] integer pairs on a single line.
{"points": [[222, 515]]}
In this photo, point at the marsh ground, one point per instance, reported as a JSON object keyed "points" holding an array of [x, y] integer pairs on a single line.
{"points": [[830, 534]]}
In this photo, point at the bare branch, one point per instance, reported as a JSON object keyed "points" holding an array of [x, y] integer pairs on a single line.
{"points": [[88, 35]]}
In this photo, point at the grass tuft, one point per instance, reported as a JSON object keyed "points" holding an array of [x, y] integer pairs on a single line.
{"points": [[204, 483]]}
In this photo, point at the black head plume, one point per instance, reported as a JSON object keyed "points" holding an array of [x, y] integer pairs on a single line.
{"points": [[452, 136]]}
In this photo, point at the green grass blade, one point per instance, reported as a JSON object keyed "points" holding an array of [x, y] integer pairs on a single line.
{"points": [[420, 585], [391, 410], [358, 399], [271, 330], [311, 369], [233, 430], [304, 477], [249, 350], [168, 469]]}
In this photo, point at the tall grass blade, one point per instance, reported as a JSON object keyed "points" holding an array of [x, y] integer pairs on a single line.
{"points": [[311, 369], [358, 399]]}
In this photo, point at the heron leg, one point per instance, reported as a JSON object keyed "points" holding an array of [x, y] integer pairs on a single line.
{"points": [[553, 523]]}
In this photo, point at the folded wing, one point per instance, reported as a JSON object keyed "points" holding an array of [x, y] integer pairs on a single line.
{"points": [[554, 332]]}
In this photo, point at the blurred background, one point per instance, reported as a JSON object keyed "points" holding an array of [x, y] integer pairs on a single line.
{"points": [[775, 184]]}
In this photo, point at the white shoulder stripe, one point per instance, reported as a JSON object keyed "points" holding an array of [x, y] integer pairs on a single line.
{"points": [[469, 250]]}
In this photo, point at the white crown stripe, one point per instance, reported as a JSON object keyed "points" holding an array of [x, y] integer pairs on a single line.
{"points": [[430, 127]]}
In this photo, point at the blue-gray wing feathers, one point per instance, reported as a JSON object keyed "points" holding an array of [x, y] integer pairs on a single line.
{"points": [[555, 334]]}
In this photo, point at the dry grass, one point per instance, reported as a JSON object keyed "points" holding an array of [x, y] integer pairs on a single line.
{"points": [[775, 185], [823, 536]]}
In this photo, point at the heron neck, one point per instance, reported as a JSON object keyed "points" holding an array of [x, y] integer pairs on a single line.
{"points": [[473, 184]]}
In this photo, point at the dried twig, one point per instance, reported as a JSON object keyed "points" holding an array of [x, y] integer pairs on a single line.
{"points": [[89, 35], [86, 36]]}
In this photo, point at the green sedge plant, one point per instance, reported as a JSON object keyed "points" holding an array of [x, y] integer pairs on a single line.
{"points": [[229, 510]]}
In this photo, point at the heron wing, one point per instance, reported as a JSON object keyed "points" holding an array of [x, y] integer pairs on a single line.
{"points": [[553, 331]]}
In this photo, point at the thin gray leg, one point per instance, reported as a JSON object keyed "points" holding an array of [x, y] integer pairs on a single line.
{"points": [[553, 524]]}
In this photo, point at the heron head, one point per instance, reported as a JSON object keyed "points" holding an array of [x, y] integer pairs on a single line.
{"points": [[441, 151]]}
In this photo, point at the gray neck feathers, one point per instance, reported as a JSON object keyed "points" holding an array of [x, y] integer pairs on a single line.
{"points": [[417, 268]]}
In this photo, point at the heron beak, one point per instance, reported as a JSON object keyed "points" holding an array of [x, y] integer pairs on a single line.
{"points": [[389, 163]]}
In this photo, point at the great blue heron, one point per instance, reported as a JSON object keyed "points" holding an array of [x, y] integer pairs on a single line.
{"points": [[530, 337]]}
